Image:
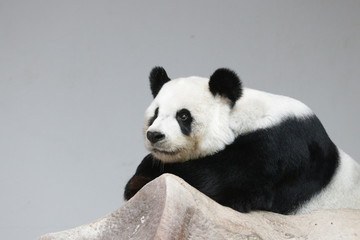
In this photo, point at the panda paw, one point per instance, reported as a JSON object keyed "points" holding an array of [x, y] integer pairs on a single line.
{"points": [[134, 185]]}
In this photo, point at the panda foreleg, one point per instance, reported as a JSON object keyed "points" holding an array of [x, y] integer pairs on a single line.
{"points": [[147, 171]]}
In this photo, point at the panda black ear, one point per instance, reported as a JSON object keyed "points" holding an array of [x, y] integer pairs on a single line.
{"points": [[158, 78], [226, 83]]}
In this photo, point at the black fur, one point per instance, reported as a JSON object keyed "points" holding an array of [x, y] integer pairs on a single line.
{"points": [[275, 169], [158, 77], [226, 83]]}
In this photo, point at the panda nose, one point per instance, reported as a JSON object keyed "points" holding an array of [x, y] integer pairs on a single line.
{"points": [[155, 136]]}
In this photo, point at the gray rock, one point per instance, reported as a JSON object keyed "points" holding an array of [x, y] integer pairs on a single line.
{"points": [[169, 208]]}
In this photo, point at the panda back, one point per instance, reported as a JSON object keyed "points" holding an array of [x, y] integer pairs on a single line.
{"points": [[259, 110]]}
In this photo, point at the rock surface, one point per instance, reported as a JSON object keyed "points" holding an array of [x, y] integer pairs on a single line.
{"points": [[169, 208]]}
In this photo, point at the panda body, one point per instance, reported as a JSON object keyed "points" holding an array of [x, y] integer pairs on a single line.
{"points": [[244, 148]]}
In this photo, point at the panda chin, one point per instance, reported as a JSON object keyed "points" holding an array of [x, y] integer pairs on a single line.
{"points": [[167, 156]]}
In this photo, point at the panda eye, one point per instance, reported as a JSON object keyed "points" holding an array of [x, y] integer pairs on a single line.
{"points": [[183, 115]]}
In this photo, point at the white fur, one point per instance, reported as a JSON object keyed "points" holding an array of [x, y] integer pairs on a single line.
{"points": [[259, 110]]}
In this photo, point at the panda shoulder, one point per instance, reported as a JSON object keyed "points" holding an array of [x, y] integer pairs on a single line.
{"points": [[258, 110]]}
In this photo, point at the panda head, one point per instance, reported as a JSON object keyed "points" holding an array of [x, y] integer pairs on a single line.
{"points": [[189, 117]]}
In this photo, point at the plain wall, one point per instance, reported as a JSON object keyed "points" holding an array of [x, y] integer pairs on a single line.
{"points": [[74, 87]]}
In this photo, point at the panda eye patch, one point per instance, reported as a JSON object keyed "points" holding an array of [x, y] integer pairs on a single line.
{"points": [[183, 117], [151, 121]]}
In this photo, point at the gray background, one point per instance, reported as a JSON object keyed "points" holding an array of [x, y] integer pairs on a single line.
{"points": [[73, 87]]}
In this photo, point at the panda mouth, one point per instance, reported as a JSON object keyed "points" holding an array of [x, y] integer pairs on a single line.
{"points": [[156, 150]]}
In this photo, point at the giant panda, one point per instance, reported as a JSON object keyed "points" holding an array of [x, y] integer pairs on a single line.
{"points": [[244, 148]]}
